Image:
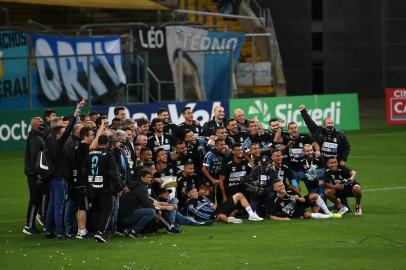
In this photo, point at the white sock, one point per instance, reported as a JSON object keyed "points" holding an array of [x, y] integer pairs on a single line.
{"points": [[249, 210], [322, 205], [82, 232], [319, 216]]}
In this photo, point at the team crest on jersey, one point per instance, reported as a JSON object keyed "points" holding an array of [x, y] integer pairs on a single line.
{"points": [[197, 130], [243, 167], [233, 169], [166, 140], [170, 171], [300, 144], [335, 140]]}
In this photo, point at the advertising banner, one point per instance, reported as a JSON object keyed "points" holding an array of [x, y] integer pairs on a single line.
{"points": [[153, 40], [15, 125], [343, 108], [203, 111], [14, 76], [396, 106], [206, 75], [67, 66]]}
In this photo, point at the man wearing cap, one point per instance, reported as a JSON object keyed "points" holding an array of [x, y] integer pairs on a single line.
{"points": [[259, 184]]}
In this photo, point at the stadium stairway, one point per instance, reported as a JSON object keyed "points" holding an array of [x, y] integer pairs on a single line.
{"points": [[249, 52]]}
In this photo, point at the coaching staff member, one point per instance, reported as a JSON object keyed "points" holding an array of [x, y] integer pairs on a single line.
{"points": [[35, 144]]}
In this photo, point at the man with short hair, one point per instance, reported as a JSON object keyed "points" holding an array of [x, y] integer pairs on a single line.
{"points": [[169, 127], [213, 163], [136, 209], [340, 183], [283, 171], [143, 127], [184, 179], [312, 169], [159, 139], [104, 179], [181, 155], [294, 147], [80, 193], [232, 177], [218, 120], [288, 205], [189, 123], [234, 133], [120, 112]]}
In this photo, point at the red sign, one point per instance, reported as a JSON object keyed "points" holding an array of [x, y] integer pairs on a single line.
{"points": [[396, 106]]}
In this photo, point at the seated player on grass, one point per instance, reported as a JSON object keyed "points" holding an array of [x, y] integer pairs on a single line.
{"points": [[201, 207], [288, 205], [340, 183]]}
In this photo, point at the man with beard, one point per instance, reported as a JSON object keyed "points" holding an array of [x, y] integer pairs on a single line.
{"points": [[189, 123], [159, 139], [181, 155], [169, 127], [333, 143], [277, 127], [234, 133], [213, 163], [312, 169], [218, 120], [231, 178], [294, 147]]}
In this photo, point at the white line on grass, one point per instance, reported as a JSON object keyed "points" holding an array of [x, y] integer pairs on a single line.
{"points": [[12, 220], [382, 189], [375, 134]]}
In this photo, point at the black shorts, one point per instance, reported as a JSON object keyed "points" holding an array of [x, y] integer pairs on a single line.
{"points": [[347, 191], [227, 207], [300, 208], [81, 198]]}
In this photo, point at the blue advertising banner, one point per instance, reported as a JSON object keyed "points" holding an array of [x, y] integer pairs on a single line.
{"points": [[65, 67], [14, 76], [205, 61], [203, 111]]}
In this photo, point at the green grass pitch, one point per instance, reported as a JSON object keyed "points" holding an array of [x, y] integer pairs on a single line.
{"points": [[374, 241]]}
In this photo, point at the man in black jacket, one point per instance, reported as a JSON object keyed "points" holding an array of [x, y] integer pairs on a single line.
{"points": [[35, 144], [136, 209], [58, 186], [209, 128], [332, 143]]}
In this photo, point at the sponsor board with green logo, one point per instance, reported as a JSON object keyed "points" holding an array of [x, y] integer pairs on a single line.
{"points": [[15, 125], [343, 108]]}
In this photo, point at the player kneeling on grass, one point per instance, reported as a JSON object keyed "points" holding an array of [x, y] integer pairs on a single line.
{"points": [[287, 205], [340, 183], [201, 207]]}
